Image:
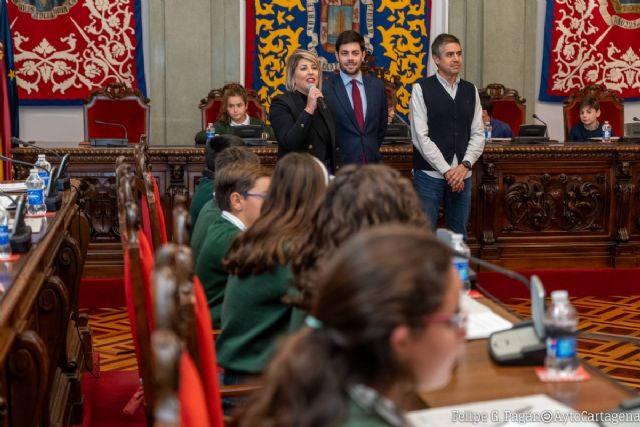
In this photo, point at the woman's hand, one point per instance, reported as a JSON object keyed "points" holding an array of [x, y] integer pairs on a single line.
{"points": [[312, 100]]}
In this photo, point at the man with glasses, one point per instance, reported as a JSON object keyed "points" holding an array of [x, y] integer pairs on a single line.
{"points": [[447, 135]]}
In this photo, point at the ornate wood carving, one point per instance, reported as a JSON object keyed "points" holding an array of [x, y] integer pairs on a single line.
{"points": [[27, 376], [499, 91], [177, 170], [98, 200], [488, 191], [559, 202], [117, 90], [624, 189]]}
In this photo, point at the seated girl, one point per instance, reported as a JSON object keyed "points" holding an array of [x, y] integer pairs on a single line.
{"points": [[385, 323], [253, 314], [357, 198], [234, 111]]}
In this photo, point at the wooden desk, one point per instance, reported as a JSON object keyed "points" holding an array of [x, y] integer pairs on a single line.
{"points": [[533, 206], [44, 343], [478, 378]]}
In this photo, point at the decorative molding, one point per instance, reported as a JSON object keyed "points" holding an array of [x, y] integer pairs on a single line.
{"points": [[559, 202]]}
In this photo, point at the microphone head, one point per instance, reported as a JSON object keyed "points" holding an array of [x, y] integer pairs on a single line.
{"points": [[635, 119], [311, 86]]}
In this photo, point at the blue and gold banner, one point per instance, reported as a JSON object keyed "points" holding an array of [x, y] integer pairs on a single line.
{"points": [[395, 32]]}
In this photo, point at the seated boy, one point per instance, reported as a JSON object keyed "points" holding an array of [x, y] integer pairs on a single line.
{"points": [[210, 212], [204, 189], [240, 189], [499, 129], [589, 126]]}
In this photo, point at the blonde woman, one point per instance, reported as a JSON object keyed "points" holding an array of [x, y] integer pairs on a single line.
{"points": [[299, 117]]}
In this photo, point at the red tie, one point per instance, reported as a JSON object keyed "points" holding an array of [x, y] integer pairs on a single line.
{"points": [[357, 103]]}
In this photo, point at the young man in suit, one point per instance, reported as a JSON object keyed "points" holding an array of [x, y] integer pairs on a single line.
{"points": [[359, 103]]}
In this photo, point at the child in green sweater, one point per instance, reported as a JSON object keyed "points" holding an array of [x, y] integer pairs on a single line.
{"points": [[253, 314], [239, 191], [235, 103]]}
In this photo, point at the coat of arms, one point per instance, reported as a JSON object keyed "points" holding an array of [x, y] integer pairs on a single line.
{"points": [[44, 9]]}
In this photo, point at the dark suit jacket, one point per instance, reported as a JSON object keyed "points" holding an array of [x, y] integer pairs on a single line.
{"points": [[353, 141], [296, 130]]}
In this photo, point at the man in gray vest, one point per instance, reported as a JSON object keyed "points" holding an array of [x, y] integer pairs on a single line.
{"points": [[447, 135]]}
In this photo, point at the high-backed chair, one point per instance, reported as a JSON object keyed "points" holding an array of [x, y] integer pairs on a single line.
{"points": [[508, 105], [115, 110], [211, 106], [138, 263], [611, 108]]}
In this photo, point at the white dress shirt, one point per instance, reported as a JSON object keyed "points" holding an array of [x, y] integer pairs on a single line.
{"points": [[347, 81], [420, 131], [246, 121], [234, 220]]}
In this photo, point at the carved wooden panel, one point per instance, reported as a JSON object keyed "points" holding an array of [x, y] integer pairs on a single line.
{"points": [[554, 203], [539, 199]]}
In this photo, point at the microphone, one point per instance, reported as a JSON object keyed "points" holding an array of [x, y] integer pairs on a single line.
{"points": [[111, 141], [20, 236], [524, 343], [320, 99], [62, 180], [635, 119], [20, 162], [17, 142], [546, 127]]}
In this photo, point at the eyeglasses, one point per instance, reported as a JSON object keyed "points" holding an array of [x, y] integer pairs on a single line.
{"points": [[457, 321], [260, 195]]}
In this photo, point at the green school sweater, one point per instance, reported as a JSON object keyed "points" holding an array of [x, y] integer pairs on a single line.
{"points": [[253, 319], [202, 194], [358, 417], [209, 264], [209, 214]]}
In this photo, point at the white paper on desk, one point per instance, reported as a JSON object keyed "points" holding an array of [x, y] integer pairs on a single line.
{"points": [[35, 224], [537, 410], [7, 202], [13, 187], [481, 321]]}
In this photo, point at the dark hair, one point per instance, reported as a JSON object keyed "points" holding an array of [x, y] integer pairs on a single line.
{"points": [[229, 90], [218, 144], [440, 41], [358, 198], [486, 102], [590, 102], [235, 154], [238, 177], [349, 36], [380, 279], [298, 185]]}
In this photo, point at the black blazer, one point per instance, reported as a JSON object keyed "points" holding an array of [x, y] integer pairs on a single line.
{"points": [[295, 129]]}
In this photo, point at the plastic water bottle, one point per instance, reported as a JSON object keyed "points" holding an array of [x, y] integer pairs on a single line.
{"points": [[35, 194], [561, 322], [211, 132], [461, 264], [44, 164], [488, 129], [5, 243], [606, 132]]}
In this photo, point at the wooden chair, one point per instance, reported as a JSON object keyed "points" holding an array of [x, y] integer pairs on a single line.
{"points": [[181, 399], [114, 110], [611, 108], [138, 262], [211, 106], [508, 105]]}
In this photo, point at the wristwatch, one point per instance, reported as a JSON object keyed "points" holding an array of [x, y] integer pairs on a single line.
{"points": [[466, 164]]}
